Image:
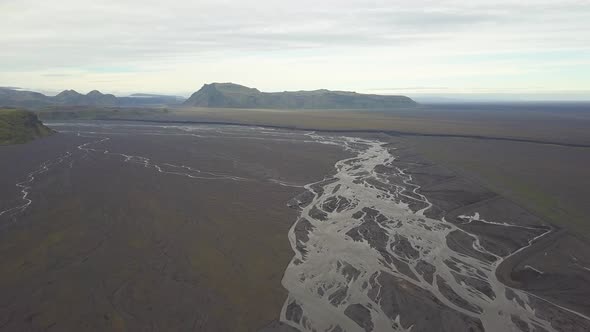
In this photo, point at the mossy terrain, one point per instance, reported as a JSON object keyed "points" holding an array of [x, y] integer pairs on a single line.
{"points": [[548, 180], [18, 126]]}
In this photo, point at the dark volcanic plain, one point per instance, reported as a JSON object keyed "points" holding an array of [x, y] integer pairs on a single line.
{"points": [[114, 245], [553, 267], [145, 226]]}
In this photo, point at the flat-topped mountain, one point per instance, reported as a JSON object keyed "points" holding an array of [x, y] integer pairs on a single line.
{"points": [[230, 95]]}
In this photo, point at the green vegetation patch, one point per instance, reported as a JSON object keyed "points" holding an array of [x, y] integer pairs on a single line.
{"points": [[18, 126], [545, 179]]}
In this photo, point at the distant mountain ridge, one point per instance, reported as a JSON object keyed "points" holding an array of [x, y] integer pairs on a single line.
{"points": [[19, 98], [214, 95], [230, 95], [92, 98]]}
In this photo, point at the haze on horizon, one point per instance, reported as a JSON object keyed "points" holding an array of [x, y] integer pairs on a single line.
{"points": [[539, 49]]}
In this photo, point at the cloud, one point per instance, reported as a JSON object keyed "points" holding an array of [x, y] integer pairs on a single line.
{"points": [[150, 39]]}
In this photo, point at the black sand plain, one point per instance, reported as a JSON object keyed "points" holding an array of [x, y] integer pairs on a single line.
{"points": [[554, 268], [114, 245], [112, 242]]}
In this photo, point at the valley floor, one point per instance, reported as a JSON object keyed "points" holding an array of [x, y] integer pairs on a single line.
{"points": [[138, 226]]}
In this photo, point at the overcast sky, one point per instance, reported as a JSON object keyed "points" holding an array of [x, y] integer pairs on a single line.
{"points": [[175, 46]]}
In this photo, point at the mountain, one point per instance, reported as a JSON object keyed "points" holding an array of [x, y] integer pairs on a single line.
{"points": [[230, 95], [68, 96], [19, 98], [28, 99], [221, 95], [93, 98], [17, 126], [10, 97]]}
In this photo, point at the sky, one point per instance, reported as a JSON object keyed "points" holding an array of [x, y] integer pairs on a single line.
{"points": [[441, 48]]}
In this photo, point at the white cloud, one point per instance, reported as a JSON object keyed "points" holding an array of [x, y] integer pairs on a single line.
{"points": [[175, 46]]}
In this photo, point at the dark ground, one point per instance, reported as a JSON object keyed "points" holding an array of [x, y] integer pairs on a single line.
{"points": [[555, 268], [173, 253], [108, 245], [536, 153]]}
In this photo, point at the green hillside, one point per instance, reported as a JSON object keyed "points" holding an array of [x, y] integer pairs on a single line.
{"points": [[17, 126], [229, 95]]}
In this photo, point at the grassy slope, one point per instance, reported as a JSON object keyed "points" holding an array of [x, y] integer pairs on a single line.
{"points": [[550, 181], [17, 126]]}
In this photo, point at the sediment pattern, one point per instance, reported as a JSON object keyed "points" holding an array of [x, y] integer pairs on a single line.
{"points": [[368, 259], [367, 256]]}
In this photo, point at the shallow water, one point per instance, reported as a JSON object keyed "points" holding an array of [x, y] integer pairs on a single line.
{"points": [[359, 229]]}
